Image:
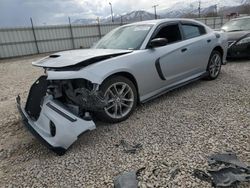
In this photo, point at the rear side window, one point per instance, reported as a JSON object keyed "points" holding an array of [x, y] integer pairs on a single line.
{"points": [[191, 31]]}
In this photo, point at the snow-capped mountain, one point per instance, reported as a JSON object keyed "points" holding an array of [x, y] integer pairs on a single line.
{"points": [[178, 9], [85, 21], [133, 16], [184, 7]]}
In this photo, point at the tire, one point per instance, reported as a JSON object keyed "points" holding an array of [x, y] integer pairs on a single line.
{"points": [[121, 95], [214, 65]]}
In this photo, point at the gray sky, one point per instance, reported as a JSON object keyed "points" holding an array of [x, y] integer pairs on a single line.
{"points": [[18, 12]]}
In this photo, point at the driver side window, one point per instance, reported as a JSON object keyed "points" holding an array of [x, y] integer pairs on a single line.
{"points": [[170, 32]]}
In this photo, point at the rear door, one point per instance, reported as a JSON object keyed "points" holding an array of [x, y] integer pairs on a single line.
{"points": [[198, 45]]}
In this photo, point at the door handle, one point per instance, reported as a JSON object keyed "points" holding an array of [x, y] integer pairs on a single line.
{"points": [[184, 49], [209, 40]]}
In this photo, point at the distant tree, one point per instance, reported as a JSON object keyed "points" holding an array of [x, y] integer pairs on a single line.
{"points": [[245, 9]]}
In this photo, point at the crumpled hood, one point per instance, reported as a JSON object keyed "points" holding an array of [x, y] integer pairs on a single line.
{"points": [[233, 36], [74, 57]]}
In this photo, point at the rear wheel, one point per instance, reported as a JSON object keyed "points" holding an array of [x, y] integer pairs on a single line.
{"points": [[214, 65], [121, 95]]}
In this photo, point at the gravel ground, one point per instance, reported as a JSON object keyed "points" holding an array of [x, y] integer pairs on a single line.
{"points": [[178, 131]]}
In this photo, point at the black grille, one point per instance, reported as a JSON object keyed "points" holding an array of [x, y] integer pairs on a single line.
{"points": [[36, 94]]}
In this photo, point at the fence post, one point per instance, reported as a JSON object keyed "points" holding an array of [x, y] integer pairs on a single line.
{"points": [[71, 34], [34, 35], [221, 21], [99, 27], [206, 21], [214, 22], [121, 21]]}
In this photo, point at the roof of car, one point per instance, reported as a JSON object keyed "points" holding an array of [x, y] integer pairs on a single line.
{"points": [[159, 21]]}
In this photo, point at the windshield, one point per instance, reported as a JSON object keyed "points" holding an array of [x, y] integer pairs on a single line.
{"points": [[128, 37], [237, 25]]}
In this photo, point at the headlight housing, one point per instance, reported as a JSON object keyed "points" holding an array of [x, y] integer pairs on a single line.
{"points": [[244, 40]]}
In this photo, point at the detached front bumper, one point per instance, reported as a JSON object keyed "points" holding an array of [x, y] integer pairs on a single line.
{"points": [[56, 127]]}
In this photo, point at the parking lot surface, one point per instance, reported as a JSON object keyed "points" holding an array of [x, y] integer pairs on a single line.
{"points": [[177, 131]]}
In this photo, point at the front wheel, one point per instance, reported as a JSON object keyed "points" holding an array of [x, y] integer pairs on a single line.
{"points": [[214, 65], [121, 96]]}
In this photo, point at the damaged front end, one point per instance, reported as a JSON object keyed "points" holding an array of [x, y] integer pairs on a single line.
{"points": [[58, 111], [79, 95]]}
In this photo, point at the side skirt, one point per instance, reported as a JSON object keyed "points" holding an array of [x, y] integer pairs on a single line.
{"points": [[175, 87]]}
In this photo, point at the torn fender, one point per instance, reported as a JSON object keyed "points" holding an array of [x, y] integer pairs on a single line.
{"points": [[95, 75], [67, 75]]}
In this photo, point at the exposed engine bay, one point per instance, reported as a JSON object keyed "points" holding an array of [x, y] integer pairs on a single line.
{"points": [[79, 95]]}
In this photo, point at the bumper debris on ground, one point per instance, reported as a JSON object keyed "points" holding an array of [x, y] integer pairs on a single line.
{"points": [[225, 170]]}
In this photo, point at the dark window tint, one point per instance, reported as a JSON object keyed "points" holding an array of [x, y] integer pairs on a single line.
{"points": [[191, 31], [170, 32]]}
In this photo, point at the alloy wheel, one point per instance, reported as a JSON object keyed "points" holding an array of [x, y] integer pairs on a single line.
{"points": [[215, 65], [120, 99]]}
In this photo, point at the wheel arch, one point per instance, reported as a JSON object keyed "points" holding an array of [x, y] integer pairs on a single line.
{"points": [[128, 76], [219, 49]]}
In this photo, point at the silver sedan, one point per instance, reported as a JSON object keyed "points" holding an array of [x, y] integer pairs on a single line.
{"points": [[132, 64]]}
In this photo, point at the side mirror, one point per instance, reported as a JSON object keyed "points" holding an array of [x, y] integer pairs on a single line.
{"points": [[158, 42]]}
